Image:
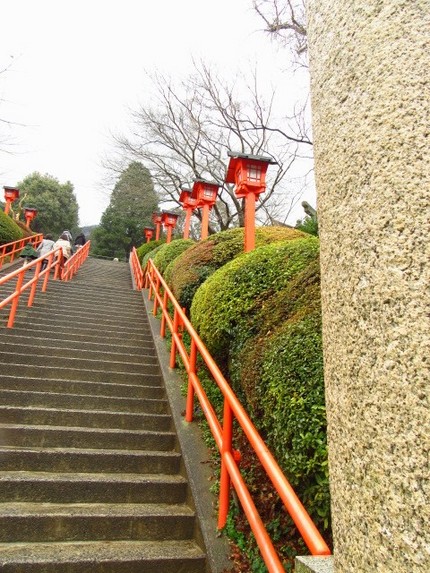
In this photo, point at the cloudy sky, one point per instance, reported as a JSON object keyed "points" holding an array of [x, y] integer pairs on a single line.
{"points": [[75, 68]]}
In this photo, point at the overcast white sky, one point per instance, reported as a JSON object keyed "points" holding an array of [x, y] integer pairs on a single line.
{"points": [[76, 66]]}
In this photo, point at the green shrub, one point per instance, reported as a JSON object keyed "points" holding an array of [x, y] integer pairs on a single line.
{"points": [[194, 266], [223, 304], [9, 230], [150, 255], [170, 251], [148, 247], [280, 369]]}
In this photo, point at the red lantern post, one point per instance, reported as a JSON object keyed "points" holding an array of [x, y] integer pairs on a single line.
{"points": [[29, 214], [189, 203], [248, 173], [10, 195], [205, 193], [148, 232], [169, 221], [157, 220]]}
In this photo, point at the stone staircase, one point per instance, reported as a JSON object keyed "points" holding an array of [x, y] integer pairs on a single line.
{"points": [[91, 477]]}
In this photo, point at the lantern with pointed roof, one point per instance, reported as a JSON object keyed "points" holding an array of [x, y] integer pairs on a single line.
{"points": [[205, 192], [169, 219], [10, 195], [29, 213], [149, 233], [189, 203], [248, 174], [157, 220]]}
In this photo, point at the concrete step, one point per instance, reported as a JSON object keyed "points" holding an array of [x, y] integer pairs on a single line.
{"points": [[86, 460], [93, 323], [81, 387], [49, 349], [83, 437], [40, 357], [76, 401], [103, 557], [84, 418], [40, 487], [15, 338], [41, 522], [68, 315], [119, 377], [69, 333]]}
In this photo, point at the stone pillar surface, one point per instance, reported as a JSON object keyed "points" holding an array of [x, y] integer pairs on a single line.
{"points": [[370, 74]]}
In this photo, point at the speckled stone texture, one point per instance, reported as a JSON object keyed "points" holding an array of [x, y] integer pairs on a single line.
{"points": [[370, 73]]}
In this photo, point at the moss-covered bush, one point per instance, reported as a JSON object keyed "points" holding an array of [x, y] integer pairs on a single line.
{"points": [[194, 266], [150, 255], [169, 252], [148, 247], [9, 230], [224, 303], [279, 367]]}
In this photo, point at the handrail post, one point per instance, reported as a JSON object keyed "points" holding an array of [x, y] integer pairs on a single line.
{"points": [[157, 291], [190, 393], [174, 332], [34, 285], [224, 492], [58, 265], [48, 271], [163, 316], [15, 301]]}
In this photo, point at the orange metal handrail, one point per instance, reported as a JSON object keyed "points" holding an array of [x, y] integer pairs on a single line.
{"points": [[72, 264], [55, 262], [223, 432], [12, 249], [136, 269]]}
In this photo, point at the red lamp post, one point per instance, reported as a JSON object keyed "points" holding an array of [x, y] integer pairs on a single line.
{"points": [[248, 173], [10, 195], [148, 232], [189, 203], [169, 221], [205, 193], [157, 220], [29, 214]]}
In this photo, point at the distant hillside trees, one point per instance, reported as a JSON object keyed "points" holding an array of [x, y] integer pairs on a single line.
{"points": [[55, 202], [132, 203]]}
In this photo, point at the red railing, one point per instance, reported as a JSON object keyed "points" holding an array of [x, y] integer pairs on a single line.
{"points": [[223, 431], [54, 263], [12, 250], [72, 265]]}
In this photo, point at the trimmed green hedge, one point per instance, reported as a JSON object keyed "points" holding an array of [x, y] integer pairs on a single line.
{"points": [[9, 230], [170, 251], [194, 266], [147, 248], [222, 305], [260, 318]]}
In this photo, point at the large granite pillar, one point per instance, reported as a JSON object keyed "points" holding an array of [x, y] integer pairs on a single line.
{"points": [[370, 73]]}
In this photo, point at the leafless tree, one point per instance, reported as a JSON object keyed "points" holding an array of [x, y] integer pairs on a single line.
{"points": [[285, 19], [185, 133]]}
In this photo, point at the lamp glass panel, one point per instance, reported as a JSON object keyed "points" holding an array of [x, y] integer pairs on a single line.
{"points": [[208, 193], [254, 173]]}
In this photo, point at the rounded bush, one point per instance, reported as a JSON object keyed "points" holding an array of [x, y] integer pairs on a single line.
{"points": [[169, 252], [194, 266], [9, 230], [148, 247], [279, 367], [225, 302]]}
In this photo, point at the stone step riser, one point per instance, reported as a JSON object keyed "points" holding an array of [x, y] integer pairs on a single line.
{"points": [[67, 333], [63, 316], [45, 460], [82, 561], [56, 386], [84, 419], [50, 349], [67, 528], [57, 437], [91, 492], [14, 339], [50, 372], [76, 402], [80, 363]]}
